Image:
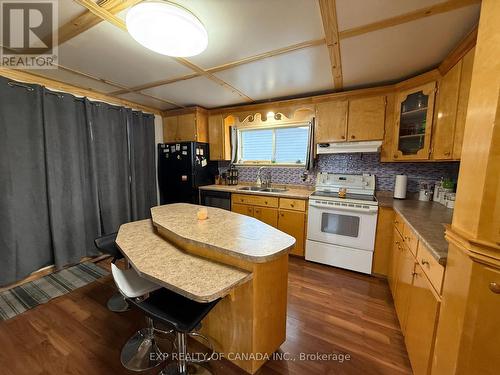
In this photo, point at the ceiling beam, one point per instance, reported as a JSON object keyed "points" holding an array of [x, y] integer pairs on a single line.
{"points": [[108, 16], [328, 10], [88, 19], [247, 60], [447, 6], [467, 43]]}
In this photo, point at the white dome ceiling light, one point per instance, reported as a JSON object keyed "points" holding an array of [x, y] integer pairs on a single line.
{"points": [[167, 28]]}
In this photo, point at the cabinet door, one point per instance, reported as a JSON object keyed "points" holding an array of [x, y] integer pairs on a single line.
{"points": [[414, 114], [366, 119], [242, 209], [480, 340], [170, 129], [463, 101], [404, 280], [447, 101], [186, 128], [421, 323], [397, 248], [331, 121], [293, 223], [216, 136], [267, 215]]}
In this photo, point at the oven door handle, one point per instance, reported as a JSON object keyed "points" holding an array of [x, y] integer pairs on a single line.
{"points": [[371, 210]]}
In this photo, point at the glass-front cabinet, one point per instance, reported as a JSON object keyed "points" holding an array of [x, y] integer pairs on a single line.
{"points": [[414, 113]]}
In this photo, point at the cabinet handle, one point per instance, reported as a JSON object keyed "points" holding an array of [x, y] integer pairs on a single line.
{"points": [[353, 136], [395, 156], [282, 214], [447, 153], [396, 222], [425, 263], [292, 205], [342, 137], [265, 202], [494, 287]]}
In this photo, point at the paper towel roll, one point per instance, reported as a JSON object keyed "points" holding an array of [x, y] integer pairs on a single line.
{"points": [[400, 186]]}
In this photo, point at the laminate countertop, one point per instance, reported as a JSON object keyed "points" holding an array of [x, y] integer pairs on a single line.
{"points": [[427, 219], [156, 259], [224, 231], [294, 192]]}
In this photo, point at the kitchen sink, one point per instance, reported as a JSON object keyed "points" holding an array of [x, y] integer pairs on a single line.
{"points": [[264, 190], [251, 188]]}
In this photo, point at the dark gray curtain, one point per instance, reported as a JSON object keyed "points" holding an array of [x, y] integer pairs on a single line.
{"points": [[141, 130], [72, 189], [108, 126], [25, 241]]}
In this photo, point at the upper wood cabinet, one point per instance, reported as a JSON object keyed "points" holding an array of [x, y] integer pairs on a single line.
{"points": [[446, 108], [366, 119], [331, 121], [360, 119], [413, 126], [189, 125], [451, 104], [219, 136]]}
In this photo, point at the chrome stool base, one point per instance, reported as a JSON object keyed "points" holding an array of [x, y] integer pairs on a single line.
{"points": [[192, 368], [141, 352], [117, 303]]}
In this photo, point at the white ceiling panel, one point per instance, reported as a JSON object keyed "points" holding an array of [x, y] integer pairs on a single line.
{"points": [[67, 10], [242, 28], [354, 13], [302, 71], [106, 51], [76, 79], [404, 50], [196, 91], [145, 100]]}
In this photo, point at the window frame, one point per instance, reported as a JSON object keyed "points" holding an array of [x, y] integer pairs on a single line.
{"points": [[273, 127]]}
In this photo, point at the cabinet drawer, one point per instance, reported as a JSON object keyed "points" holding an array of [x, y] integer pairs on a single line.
{"points": [[410, 239], [431, 267], [255, 200], [293, 204], [399, 223]]}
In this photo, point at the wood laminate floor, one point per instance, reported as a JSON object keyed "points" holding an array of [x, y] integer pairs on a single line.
{"points": [[329, 311]]}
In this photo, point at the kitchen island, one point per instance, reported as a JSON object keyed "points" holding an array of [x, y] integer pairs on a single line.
{"points": [[229, 256]]}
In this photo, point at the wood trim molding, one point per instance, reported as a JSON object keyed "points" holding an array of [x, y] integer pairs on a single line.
{"points": [[407, 17], [24, 76], [328, 10], [108, 16], [467, 43], [88, 19]]}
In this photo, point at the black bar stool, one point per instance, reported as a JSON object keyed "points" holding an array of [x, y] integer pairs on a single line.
{"points": [[185, 316], [107, 245]]}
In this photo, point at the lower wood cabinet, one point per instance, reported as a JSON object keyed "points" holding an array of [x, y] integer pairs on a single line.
{"points": [[285, 214], [266, 215], [293, 223], [421, 323], [404, 279]]}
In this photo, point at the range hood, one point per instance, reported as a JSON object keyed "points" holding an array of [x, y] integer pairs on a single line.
{"points": [[348, 147]]}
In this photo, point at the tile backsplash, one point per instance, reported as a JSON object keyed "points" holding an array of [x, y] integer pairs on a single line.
{"points": [[357, 164]]}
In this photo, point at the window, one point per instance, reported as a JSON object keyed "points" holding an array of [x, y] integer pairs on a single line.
{"points": [[279, 145]]}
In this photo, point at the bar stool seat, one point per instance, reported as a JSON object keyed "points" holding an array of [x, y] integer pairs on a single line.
{"points": [[107, 245], [131, 284], [184, 315]]}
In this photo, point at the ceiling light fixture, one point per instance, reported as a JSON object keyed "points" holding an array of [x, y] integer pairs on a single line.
{"points": [[167, 28]]}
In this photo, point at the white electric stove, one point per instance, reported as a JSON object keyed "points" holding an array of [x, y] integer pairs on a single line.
{"points": [[341, 230]]}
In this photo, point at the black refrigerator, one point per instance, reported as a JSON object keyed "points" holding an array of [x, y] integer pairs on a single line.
{"points": [[182, 168]]}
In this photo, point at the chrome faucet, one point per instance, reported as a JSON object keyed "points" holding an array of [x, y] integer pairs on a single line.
{"points": [[263, 182]]}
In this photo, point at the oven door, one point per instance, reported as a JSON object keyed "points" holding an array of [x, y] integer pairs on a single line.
{"points": [[345, 226]]}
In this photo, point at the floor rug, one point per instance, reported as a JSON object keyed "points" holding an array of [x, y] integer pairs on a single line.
{"points": [[24, 297]]}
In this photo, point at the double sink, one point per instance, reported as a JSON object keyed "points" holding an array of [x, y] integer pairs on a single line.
{"points": [[263, 189]]}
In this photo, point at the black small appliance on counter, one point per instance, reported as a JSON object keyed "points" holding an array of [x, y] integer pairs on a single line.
{"points": [[182, 168]]}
